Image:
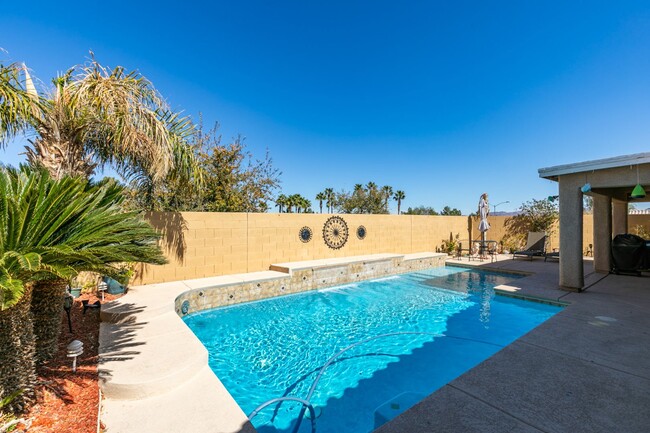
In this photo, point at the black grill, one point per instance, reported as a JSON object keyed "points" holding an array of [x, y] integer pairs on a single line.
{"points": [[630, 253]]}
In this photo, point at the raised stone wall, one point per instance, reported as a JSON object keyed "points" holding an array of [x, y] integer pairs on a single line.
{"points": [[302, 277]]}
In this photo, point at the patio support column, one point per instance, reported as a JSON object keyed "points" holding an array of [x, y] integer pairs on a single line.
{"points": [[602, 233], [619, 218], [571, 269]]}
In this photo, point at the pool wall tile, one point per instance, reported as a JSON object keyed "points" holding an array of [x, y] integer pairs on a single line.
{"points": [[306, 276]]}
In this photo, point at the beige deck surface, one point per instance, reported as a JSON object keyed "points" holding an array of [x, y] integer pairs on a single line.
{"points": [[587, 369]]}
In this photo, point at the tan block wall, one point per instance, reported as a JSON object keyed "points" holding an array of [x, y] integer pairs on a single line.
{"points": [[204, 244]]}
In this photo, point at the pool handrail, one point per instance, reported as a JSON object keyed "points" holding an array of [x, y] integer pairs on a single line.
{"points": [[306, 402]]}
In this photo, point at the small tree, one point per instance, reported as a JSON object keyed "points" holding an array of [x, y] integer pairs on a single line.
{"points": [[449, 211], [534, 216], [421, 210], [52, 229]]}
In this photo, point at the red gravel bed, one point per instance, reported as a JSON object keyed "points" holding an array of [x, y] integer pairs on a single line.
{"points": [[68, 402]]}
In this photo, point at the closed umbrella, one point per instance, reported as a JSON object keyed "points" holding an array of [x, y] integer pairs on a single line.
{"points": [[483, 225]]}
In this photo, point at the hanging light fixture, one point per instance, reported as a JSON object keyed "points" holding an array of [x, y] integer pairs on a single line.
{"points": [[638, 191]]}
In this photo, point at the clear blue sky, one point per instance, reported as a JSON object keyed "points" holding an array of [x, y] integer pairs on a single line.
{"points": [[444, 100]]}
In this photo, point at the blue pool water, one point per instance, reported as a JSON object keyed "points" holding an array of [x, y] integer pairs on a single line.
{"points": [[273, 348]]}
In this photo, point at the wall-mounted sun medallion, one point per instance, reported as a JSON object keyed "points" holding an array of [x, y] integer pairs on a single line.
{"points": [[305, 234], [335, 232]]}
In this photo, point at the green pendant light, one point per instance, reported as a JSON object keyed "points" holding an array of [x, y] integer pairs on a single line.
{"points": [[638, 191]]}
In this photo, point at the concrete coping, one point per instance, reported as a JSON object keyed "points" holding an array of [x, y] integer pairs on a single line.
{"points": [[289, 267]]}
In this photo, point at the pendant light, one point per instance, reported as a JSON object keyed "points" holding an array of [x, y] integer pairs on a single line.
{"points": [[638, 191]]}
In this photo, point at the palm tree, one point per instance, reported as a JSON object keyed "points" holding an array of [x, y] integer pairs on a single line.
{"points": [[358, 187], [371, 186], [399, 196], [306, 204], [15, 104], [95, 116], [388, 192], [329, 193], [52, 229], [281, 202], [320, 197]]}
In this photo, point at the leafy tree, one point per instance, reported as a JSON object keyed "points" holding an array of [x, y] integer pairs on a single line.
{"points": [[95, 116], [398, 197], [53, 229], [533, 216], [587, 204], [421, 210], [231, 180], [364, 200], [449, 211]]}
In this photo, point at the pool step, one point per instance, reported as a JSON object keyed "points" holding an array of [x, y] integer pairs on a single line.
{"points": [[138, 360], [139, 304], [197, 405]]}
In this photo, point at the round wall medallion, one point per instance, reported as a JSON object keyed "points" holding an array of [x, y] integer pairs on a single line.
{"points": [[361, 232], [305, 234], [335, 232]]}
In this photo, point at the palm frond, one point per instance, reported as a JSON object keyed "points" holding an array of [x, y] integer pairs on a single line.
{"points": [[56, 228], [17, 107]]}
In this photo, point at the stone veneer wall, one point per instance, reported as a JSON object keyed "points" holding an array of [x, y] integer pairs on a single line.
{"points": [[205, 244], [302, 279]]}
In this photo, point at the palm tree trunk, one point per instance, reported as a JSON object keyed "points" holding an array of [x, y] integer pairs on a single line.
{"points": [[17, 369], [47, 308]]}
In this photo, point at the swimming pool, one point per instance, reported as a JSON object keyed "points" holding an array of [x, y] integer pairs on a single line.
{"points": [[436, 324]]}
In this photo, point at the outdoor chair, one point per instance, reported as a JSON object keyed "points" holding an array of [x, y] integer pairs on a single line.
{"points": [[555, 255], [535, 247]]}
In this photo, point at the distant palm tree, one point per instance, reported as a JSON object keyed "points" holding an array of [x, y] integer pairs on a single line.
{"points": [[388, 192], [399, 196], [329, 193], [95, 116], [281, 202], [371, 186], [306, 204], [358, 187], [321, 197]]}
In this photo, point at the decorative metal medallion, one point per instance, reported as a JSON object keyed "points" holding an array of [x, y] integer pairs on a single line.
{"points": [[305, 234], [361, 232], [335, 232]]}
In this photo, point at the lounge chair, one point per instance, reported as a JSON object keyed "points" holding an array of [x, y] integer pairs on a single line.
{"points": [[535, 247], [555, 255]]}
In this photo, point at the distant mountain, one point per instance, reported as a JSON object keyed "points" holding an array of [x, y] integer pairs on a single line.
{"points": [[504, 213]]}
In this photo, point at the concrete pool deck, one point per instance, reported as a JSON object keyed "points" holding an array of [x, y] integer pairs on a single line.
{"points": [[585, 369]]}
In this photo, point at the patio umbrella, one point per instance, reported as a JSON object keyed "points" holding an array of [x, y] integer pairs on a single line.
{"points": [[483, 225]]}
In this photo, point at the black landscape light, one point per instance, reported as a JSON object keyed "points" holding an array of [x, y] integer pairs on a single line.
{"points": [[68, 300]]}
